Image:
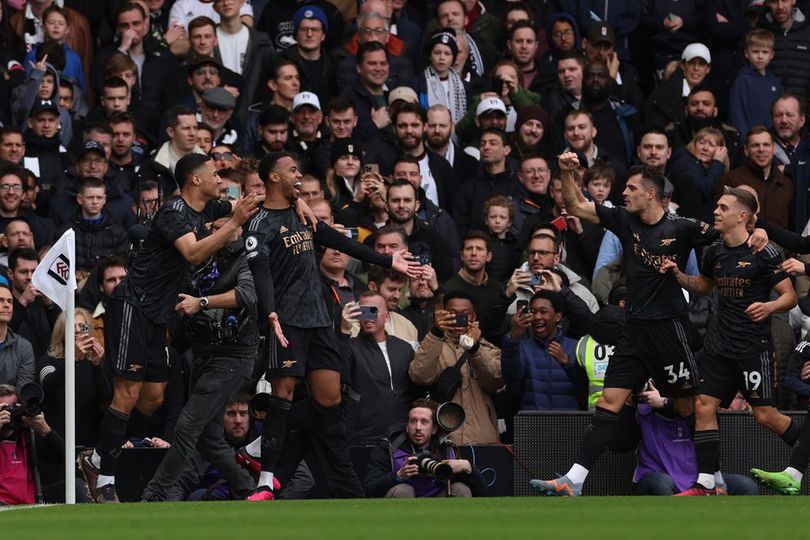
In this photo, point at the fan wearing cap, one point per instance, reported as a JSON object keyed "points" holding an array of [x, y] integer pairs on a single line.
{"points": [[216, 109], [666, 103], [490, 113], [439, 84], [307, 132], [44, 154], [791, 29], [310, 27], [599, 45]]}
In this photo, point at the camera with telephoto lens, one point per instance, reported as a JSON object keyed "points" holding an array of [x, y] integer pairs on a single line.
{"points": [[441, 471], [29, 405]]}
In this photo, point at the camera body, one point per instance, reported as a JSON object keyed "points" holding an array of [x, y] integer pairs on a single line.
{"points": [[29, 405]]}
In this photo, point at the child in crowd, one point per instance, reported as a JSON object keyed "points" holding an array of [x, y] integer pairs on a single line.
{"points": [[498, 215], [55, 28], [598, 181], [755, 89]]}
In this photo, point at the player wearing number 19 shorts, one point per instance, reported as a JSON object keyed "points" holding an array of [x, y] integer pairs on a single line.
{"points": [[737, 355]]}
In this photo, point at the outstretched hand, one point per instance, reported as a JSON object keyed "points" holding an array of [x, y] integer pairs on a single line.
{"points": [[275, 324], [401, 263]]}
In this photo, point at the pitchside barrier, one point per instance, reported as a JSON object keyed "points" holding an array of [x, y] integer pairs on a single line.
{"points": [[547, 444]]}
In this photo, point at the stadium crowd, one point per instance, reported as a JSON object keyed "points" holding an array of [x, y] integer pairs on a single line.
{"points": [[435, 137]]}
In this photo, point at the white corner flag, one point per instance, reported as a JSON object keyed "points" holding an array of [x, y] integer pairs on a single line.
{"points": [[55, 277]]}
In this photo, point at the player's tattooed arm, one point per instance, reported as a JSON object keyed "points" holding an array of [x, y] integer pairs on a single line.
{"points": [[575, 201], [698, 285]]}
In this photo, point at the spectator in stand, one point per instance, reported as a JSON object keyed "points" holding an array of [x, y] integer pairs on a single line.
{"points": [[17, 361], [756, 88], [93, 388], [306, 133], [701, 112], [438, 139], [242, 50], [378, 370], [774, 189], [55, 29], [672, 25], [451, 337], [216, 110], [32, 318], [540, 359], [666, 103], [439, 84], [182, 132], [369, 93], [12, 190], [44, 154], [389, 285], [338, 285], [473, 281], [498, 177], [530, 131], [17, 234], [705, 161], [792, 151], [562, 33], [155, 63], [791, 30], [12, 145], [374, 26], [98, 234], [340, 120], [534, 204], [310, 26], [499, 214], [522, 46], [599, 45], [566, 87], [422, 291]]}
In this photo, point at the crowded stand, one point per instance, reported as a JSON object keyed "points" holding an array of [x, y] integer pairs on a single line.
{"points": [[307, 226]]}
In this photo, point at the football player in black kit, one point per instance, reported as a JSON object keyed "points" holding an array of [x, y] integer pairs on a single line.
{"points": [[738, 355], [136, 314], [789, 480], [654, 343], [280, 251]]}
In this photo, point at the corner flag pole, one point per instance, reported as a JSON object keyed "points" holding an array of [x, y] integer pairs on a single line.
{"points": [[70, 400], [55, 277]]}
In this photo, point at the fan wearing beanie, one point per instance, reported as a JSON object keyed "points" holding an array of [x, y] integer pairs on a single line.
{"points": [[439, 84], [530, 130]]}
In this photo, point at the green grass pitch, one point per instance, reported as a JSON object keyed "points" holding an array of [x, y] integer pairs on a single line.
{"points": [[651, 518]]}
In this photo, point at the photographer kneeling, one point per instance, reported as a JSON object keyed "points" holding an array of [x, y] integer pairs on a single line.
{"points": [[415, 463]]}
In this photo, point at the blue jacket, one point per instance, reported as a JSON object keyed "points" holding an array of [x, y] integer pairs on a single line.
{"points": [[546, 384], [752, 96], [74, 70]]}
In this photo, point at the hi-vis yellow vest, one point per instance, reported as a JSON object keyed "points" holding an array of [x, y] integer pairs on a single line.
{"points": [[594, 358]]}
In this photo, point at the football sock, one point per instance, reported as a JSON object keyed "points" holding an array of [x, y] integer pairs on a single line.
{"points": [[273, 431], [113, 435], [791, 434], [598, 435], [707, 443]]}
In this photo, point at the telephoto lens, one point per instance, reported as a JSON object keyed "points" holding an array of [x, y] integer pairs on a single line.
{"points": [[441, 471]]}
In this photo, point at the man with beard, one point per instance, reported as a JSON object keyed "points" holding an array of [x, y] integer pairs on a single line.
{"points": [[700, 112], [420, 311], [422, 240], [438, 178], [306, 128], [792, 151], [580, 137], [774, 189], [439, 129], [438, 219], [615, 122], [599, 46], [790, 27], [530, 130], [274, 131]]}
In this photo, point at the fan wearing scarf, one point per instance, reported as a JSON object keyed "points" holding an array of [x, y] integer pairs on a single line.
{"points": [[439, 84]]}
